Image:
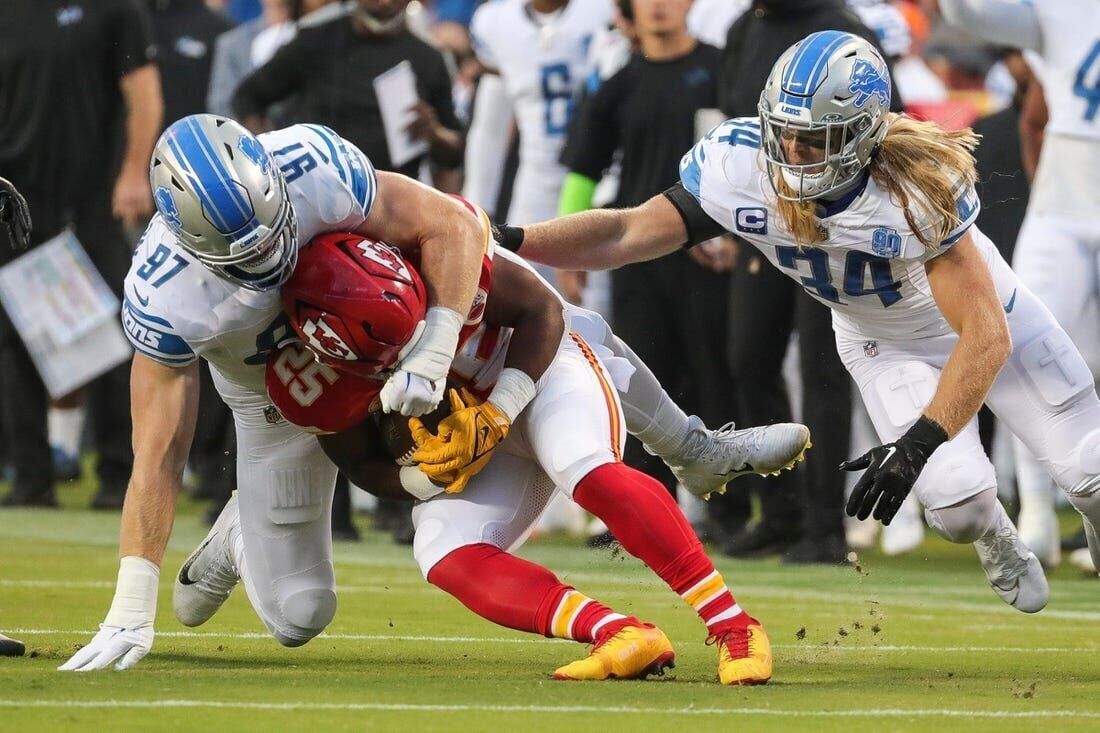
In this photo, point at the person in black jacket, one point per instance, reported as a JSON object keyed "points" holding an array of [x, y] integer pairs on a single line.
{"points": [[806, 519]]}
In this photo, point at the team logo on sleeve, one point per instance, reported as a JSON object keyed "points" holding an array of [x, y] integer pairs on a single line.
{"points": [[250, 147], [868, 82], [886, 242], [751, 220], [324, 338], [166, 205]]}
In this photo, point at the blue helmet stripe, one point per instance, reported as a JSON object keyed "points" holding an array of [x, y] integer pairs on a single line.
{"points": [[226, 204], [809, 62]]}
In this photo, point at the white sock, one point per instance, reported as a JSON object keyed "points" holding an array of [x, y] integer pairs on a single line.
{"points": [[65, 426], [651, 415]]}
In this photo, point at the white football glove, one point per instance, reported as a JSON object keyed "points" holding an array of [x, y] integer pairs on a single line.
{"points": [[111, 643], [126, 635], [416, 387]]}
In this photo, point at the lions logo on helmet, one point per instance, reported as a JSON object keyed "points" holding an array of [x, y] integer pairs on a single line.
{"points": [[250, 147], [166, 205], [868, 82]]}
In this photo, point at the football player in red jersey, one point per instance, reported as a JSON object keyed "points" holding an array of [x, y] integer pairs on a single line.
{"points": [[551, 421]]}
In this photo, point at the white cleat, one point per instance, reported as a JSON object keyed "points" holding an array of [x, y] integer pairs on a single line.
{"points": [[906, 531], [1014, 572], [1039, 531], [709, 459], [208, 575]]}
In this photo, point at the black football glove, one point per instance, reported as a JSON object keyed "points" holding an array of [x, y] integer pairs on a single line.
{"points": [[892, 469], [15, 217]]}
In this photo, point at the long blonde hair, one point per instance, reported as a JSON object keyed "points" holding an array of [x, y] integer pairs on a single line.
{"points": [[915, 157]]}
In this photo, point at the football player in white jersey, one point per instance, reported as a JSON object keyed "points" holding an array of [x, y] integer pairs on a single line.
{"points": [[232, 211], [535, 54], [1058, 249], [873, 214]]}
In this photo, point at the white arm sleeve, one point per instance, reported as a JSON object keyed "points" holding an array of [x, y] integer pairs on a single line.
{"points": [[1007, 22], [487, 143]]}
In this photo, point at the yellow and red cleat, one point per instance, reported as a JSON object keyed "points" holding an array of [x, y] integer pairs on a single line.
{"points": [[744, 655], [633, 652]]}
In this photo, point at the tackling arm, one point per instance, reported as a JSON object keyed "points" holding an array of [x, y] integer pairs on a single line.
{"points": [[606, 238], [165, 403], [965, 294]]}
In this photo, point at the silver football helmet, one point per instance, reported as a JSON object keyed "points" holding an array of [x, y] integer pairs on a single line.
{"points": [[830, 91], [223, 196]]}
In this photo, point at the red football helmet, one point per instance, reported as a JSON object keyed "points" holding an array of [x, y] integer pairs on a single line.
{"points": [[314, 396], [354, 301]]}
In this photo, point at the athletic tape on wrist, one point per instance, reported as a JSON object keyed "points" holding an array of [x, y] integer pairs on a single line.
{"points": [[514, 390], [135, 602]]}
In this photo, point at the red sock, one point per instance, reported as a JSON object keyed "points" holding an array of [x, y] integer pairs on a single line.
{"points": [[650, 526], [513, 592]]}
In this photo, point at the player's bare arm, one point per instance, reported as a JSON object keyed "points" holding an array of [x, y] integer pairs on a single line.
{"points": [[412, 216], [165, 404], [1033, 122], [606, 238], [521, 302], [964, 292], [451, 240]]}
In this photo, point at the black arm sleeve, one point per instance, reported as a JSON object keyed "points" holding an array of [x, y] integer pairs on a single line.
{"points": [[273, 82], [700, 226]]}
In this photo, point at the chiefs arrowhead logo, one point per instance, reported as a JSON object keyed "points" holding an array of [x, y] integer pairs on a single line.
{"points": [[383, 255], [322, 337]]}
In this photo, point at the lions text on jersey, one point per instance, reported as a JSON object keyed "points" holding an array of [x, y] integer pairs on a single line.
{"points": [[175, 310], [869, 269], [542, 60]]}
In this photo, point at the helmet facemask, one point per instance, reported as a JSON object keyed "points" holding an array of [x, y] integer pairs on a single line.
{"points": [[839, 144]]}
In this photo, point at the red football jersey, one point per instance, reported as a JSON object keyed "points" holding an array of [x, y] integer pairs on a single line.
{"points": [[316, 397]]}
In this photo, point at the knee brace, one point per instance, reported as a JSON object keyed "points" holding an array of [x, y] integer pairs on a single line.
{"points": [[305, 614], [966, 521]]}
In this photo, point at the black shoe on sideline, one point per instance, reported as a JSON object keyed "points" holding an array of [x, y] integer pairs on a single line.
{"points": [[760, 540], [109, 499], [1075, 541], [820, 550], [41, 499]]}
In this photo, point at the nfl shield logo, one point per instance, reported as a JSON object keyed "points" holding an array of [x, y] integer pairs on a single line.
{"points": [[870, 349]]}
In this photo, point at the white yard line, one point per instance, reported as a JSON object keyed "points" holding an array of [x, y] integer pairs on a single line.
{"points": [[809, 646], [562, 709]]}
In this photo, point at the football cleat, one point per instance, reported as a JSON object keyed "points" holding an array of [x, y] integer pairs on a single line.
{"points": [[11, 647], [1014, 572], [208, 575], [905, 531], [1081, 559], [744, 655], [709, 459], [631, 653]]}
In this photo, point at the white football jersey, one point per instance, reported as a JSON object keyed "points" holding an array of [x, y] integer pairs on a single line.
{"points": [[175, 310], [870, 269], [1070, 72], [543, 61]]}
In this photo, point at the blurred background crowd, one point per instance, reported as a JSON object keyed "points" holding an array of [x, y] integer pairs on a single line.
{"points": [[595, 111]]}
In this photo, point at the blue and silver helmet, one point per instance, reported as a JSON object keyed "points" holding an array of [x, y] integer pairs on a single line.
{"points": [[221, 193], [832, 90]]}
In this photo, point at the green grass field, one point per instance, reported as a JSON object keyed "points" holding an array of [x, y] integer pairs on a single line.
{"points": [[915, 643]]}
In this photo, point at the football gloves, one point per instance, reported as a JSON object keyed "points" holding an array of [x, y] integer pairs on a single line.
{"points": [[892, 469], [112, 646], [15, 217], [463, 443]]}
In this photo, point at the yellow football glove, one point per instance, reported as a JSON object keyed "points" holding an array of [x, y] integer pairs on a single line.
{"points": [[463, 443]]}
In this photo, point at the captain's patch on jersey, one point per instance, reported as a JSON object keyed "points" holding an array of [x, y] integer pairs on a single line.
{"points": [[751, 220]]}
